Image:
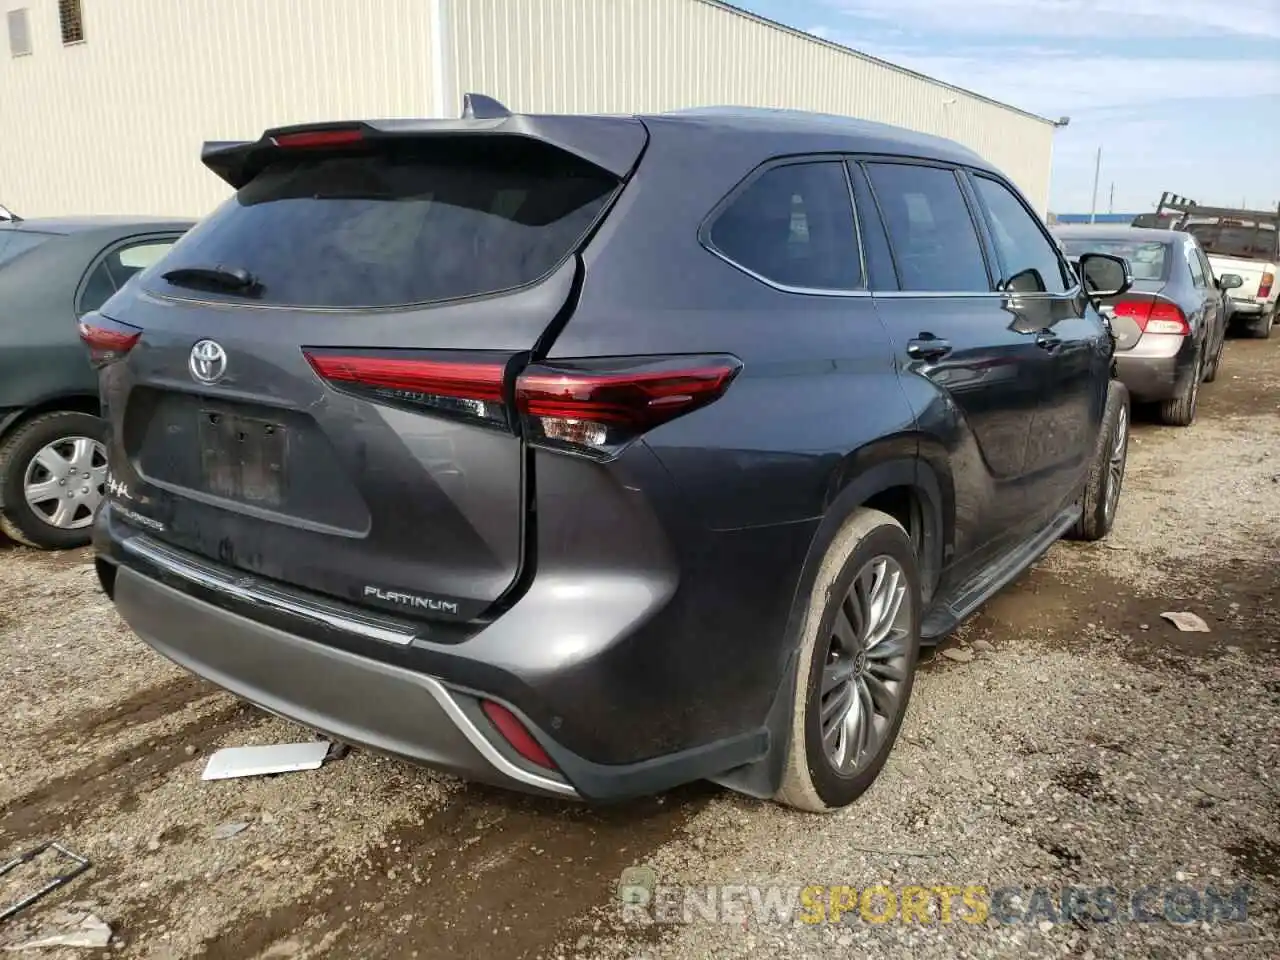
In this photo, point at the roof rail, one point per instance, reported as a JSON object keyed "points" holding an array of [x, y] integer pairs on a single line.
{"points": [[476, 106]]}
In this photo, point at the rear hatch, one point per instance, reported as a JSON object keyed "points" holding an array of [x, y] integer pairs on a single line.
{"points": [[320, 392], [1252, 272]]}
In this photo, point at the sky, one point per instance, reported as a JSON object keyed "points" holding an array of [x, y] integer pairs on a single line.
{"points": [[1181, 95]]}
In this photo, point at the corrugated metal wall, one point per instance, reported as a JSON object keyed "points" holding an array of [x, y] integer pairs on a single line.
{"points": [[114, 124], [619, 56]]}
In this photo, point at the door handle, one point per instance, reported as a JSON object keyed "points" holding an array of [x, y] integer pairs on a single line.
{"points": [[1047, 340], [928, 347]]}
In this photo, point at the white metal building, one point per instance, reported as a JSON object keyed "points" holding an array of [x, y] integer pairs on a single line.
{"points": [[104, 103]]}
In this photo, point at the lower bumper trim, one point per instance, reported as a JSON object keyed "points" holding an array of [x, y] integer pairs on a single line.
{"points": [[352, 698]]}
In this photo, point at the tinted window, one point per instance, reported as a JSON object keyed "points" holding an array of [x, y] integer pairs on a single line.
{"points": [[1197, 270], [935, 245], [794, 225], [1205, 266], [117, 268], [403, 226], [14, 243], [1235, 239], [1030, 261]]}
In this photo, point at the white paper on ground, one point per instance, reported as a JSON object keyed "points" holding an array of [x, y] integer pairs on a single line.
{"points": [[259, 761], [1186, 622]]}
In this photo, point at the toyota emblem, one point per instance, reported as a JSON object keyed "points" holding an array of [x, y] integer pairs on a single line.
{"points": [[208, 363]]}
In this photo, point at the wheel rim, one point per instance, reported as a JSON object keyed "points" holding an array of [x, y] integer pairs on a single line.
{"points": [[65, 481], [866, 665], [1115, 462]]}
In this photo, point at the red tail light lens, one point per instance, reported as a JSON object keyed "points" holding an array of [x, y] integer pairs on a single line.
{"points": [[107, 340], [470, 387], [1264, 288], [598, 405], [318, 138], [516, 734], [1154, 316]]}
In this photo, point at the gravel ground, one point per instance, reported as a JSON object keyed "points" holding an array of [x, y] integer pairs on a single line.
{"points": [[1066, 738]]}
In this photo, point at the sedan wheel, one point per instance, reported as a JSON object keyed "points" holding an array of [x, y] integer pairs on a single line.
{"points": [[65, 481]]}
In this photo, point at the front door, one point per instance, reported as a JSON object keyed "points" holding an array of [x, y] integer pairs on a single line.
{"points": [[1072, 359], [967, 369]]}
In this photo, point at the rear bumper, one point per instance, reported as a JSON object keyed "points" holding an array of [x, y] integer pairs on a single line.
{"points": [[1157, 367], [352, 698], [397, 694], [1247, 308]]}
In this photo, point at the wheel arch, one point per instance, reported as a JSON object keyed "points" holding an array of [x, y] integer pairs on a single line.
{"points": [[55, 403], [890, 476]]}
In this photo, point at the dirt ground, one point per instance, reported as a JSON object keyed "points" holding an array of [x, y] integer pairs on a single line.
{"points": [[1076, 740]]}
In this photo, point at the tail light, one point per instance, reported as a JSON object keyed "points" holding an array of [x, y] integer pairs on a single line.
{"points": [[467, 386], [319, 138], [516, 734], [1264, 288], [591, 406], [1154, 316], [108, 340], [596, 406]]}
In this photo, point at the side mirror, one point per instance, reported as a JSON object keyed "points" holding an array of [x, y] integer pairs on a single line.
{"points": [[1103, 275], [1229, 281]]}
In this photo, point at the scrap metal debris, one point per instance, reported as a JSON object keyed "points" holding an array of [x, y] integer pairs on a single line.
{"points": [[92, 932], [1186, 622], [261, 761], [81, 865]]}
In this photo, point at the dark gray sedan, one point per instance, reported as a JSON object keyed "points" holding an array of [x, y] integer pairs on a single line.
{"points": [[1170, 325], [52, 459]]}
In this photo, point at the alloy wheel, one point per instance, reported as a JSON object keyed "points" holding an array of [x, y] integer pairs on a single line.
{"points": [[65, 482], [866, 666], [1115, 463]]}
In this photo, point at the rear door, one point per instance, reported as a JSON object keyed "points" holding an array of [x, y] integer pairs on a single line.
{"points": [[966, 365], [320, 393]]}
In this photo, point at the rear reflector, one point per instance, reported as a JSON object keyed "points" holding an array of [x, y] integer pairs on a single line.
{"points": [[107, 340], [469, 387], [318, 138], [1154, 316], [516, 734], [600, 404], [1264, 288]]}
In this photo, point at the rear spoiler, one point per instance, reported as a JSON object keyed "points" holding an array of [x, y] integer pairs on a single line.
{"points": [[611, 143]]}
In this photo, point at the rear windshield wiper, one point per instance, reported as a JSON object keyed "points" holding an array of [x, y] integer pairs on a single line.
{"points": [[232, 279]]}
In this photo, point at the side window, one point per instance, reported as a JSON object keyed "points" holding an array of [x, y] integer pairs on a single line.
{"points": [[1205, 265], [1030, 260], [1197, 268], [98, 290], [934, 242], [117, 268], [793, 225]]}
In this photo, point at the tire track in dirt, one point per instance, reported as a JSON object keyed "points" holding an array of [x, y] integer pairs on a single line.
{"points": [[493, 874], [144, 706], [117, 778]]}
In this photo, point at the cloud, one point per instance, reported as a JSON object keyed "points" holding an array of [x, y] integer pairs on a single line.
{"points": [[1135, 19], [1056, 82]]}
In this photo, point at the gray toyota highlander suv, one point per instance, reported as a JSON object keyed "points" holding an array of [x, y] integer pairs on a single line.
{"points": [[592, 455]]}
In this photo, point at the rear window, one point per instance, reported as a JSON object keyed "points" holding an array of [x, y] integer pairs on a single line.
{"points": [[1148, 259], [14, 243], [409, 225], [1250, 241]]}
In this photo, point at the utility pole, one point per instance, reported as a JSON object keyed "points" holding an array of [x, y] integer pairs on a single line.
{"points": [[1111, 199], [1093, 205]]}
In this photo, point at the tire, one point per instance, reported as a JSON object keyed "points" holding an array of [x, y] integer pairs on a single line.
{"points": [[1181, 410], [1101, 495], [27, 523], [1260, 327], [1211, 374], [812, 780]]}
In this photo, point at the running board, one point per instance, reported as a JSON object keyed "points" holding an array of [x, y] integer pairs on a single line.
{"points": [[943, 618]]}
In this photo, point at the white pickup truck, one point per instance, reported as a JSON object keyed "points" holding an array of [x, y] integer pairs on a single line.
{"points": [[1243, 242]]}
